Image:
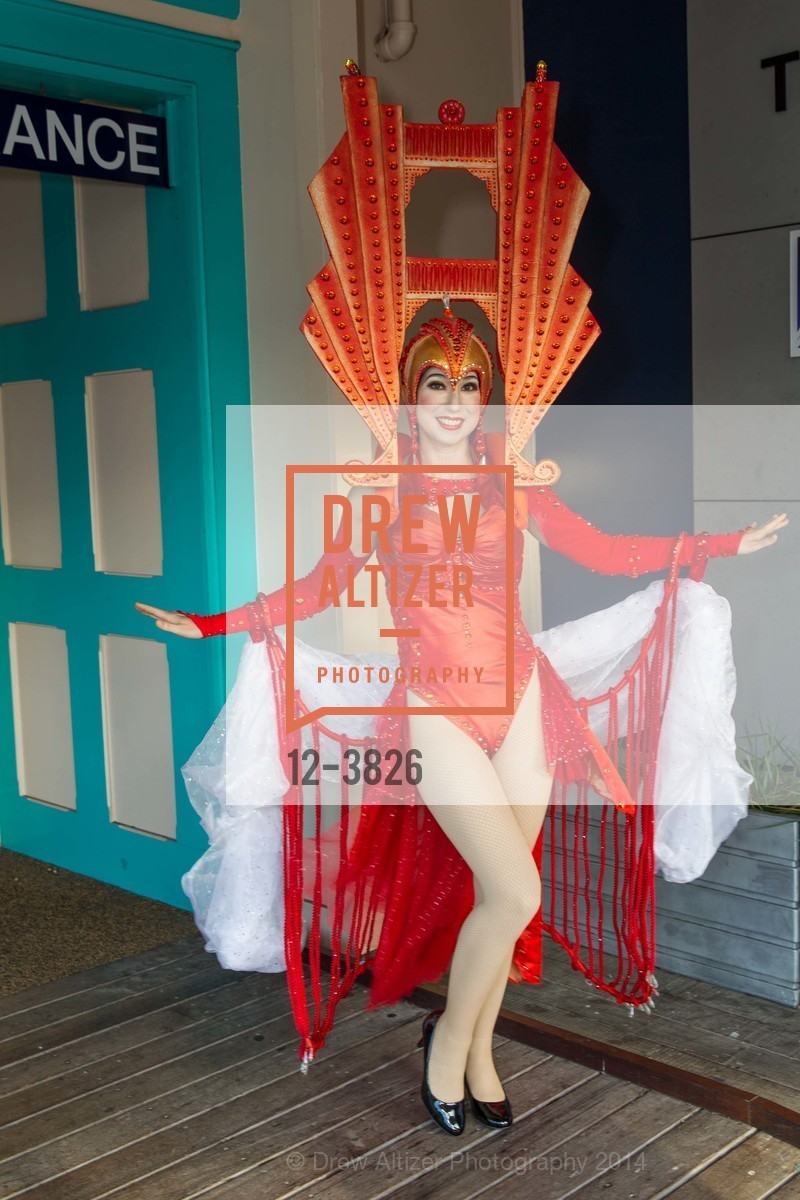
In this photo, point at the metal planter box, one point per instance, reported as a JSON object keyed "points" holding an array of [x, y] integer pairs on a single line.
{"points": [[739, 925]]}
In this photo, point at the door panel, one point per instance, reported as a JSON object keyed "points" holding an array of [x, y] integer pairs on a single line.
{"points": [[136, 282]]}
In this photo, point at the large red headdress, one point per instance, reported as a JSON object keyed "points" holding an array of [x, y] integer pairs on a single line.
{"points": [[369, 291]]}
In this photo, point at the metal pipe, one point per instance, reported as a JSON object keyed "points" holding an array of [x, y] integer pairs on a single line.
{"points": [[397, 36]]}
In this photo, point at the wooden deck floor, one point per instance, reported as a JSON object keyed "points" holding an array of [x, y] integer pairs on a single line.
{"points": [[164, 1076]]}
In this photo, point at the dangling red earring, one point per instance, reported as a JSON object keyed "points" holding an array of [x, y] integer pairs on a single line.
{"points": [[412, 421], [480, 441]]}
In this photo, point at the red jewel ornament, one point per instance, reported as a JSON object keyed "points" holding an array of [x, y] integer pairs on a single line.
{"points": [[452, 112]]}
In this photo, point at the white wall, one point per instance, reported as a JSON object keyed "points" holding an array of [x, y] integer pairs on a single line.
{"points": [[745, 179], [292, 52]]}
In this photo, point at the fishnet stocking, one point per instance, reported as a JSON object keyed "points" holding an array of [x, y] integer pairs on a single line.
{"points": [[491, 810]]}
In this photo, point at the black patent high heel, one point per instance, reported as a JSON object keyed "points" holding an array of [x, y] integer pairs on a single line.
{"points": [[494, 1113], [448, 1114]]}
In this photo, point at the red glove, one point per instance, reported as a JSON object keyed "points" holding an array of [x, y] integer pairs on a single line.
{"points": [[621, 553], [313, 593]]}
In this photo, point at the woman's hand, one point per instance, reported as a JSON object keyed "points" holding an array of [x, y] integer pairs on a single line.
{"points": [[757, 537], [170, 622]]}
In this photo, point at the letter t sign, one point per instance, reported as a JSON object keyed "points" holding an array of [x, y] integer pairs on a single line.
{"points": [[778, 63]]}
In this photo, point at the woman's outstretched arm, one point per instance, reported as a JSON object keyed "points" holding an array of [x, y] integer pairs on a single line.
{"points": [[635, 554], [313, 593]]}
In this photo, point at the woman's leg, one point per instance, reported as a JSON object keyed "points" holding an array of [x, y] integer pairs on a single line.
{"points": [[521, 766], [464, 794]]}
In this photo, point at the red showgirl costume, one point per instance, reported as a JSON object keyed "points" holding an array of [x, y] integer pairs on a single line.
{"points": [[396, 889]]}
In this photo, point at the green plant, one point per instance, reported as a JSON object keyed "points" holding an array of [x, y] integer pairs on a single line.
{"points": [[776, 772]]}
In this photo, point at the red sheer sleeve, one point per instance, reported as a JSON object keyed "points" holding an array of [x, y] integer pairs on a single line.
{"points": [[313, 593], [620, 554]]}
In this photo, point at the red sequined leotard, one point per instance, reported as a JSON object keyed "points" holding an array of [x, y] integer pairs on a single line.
{"points": [[471, 651]]}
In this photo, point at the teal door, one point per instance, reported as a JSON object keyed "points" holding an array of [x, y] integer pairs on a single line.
{"points": [[120, 346]]}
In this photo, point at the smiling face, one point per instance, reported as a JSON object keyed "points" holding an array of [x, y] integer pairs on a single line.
{"points": [[447, 411], [446, 374]]}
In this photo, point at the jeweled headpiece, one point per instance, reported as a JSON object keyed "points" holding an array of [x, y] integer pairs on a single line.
{"points": [[451, 343], [366, 295]]}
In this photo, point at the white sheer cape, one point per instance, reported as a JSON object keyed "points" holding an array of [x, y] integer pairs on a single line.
{"points": [[236, 783]]}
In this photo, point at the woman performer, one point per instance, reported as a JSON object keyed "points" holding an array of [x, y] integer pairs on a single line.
{"points": [[486, 779]]}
